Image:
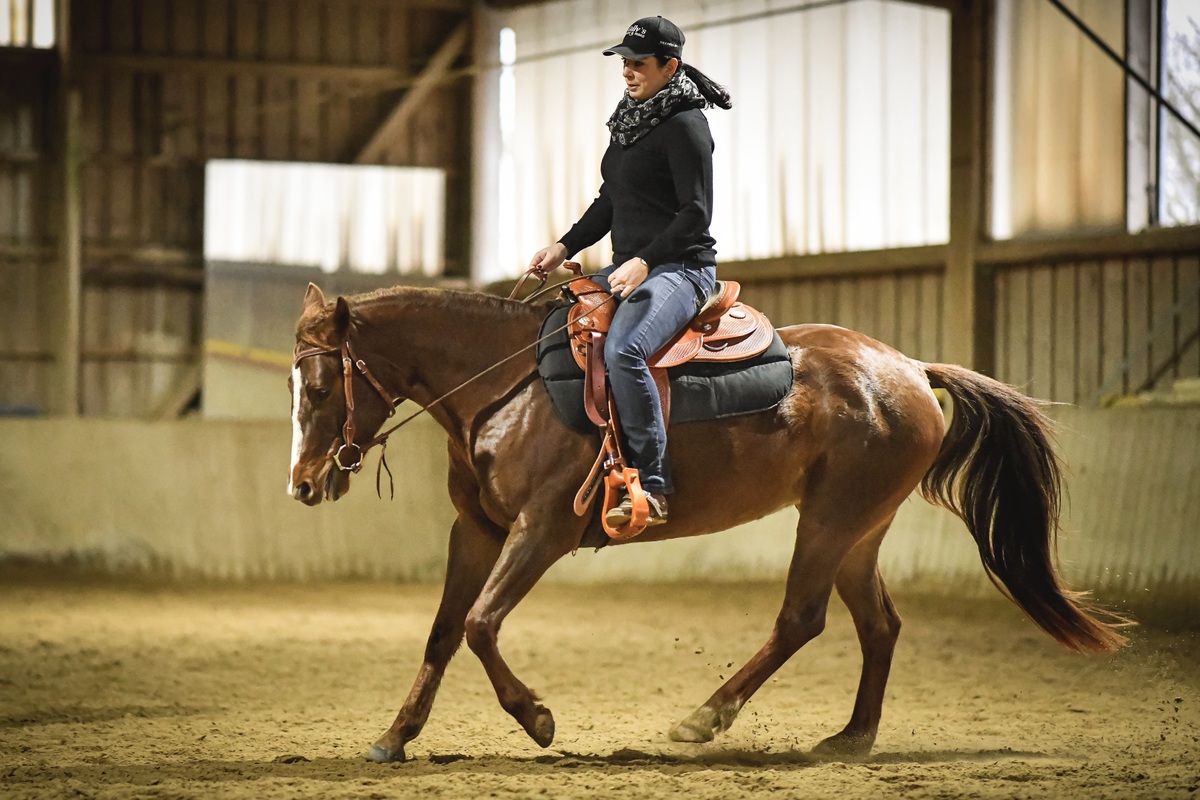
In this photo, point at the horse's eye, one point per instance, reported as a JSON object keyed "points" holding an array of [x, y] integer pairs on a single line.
{"points": [[318, 394]]}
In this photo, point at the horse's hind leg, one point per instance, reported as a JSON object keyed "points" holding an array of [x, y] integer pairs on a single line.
{"points": [[474, 547], [861, 588], [819, 551]]}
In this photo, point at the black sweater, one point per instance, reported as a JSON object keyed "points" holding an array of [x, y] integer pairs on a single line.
{"points": [[656, 198]]}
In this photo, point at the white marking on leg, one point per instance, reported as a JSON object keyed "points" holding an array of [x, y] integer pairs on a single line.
{"points": [[297, 436]]}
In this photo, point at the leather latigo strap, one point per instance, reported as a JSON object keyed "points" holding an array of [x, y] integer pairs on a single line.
{"points": [[588, 322]]}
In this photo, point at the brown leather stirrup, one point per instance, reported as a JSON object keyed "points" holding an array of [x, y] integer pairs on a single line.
{"points": [[621, 476]]}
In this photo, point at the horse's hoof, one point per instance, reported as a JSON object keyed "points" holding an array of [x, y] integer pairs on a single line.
{"points": [[543, 727], [846, 745], [701, 726], [381, 754]]}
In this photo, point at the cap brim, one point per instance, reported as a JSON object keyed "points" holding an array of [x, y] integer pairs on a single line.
{"points": [[624, 52]]}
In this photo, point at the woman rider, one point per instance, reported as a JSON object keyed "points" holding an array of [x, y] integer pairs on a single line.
{"points": [[656, 201]]}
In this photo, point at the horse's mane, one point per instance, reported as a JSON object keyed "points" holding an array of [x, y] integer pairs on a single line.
{"points": [[313, 325]]}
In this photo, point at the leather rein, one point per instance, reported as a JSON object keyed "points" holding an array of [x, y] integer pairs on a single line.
{"points": [[350, 362]]}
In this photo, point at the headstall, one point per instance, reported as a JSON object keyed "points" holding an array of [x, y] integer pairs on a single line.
{"points": [[349, 449]]}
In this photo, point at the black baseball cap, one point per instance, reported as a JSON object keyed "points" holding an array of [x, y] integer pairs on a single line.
{"points": [[650, 36]]}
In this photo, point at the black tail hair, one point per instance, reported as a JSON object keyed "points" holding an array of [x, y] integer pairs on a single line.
{"points": [[998, 472]]}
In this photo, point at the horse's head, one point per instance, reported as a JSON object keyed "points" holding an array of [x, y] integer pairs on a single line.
{"points": [[327, 441]]}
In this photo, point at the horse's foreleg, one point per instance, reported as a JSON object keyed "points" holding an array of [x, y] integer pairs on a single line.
{"points": [[861, 588], [809, 584], [526, 557], [474, 547]]}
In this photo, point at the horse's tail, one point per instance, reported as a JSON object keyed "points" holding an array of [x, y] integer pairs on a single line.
{"points": [[998, 472]]}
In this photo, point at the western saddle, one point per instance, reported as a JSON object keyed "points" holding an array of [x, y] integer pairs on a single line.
{"points": [[724, 330]]}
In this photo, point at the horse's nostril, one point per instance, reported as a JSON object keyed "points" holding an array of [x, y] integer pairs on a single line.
{"points": [[304, 491]]}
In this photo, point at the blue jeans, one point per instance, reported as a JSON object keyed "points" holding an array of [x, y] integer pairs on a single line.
{"points": [[642, 325]]}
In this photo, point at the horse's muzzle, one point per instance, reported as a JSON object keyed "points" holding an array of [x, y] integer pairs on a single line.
{"points": [[306, 493], [327, 484]]}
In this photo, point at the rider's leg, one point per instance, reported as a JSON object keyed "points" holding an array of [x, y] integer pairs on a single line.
{"points": [[642, 325]]}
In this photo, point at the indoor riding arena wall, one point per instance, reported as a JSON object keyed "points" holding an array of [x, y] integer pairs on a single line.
{"points": [[206, 499], [173, 625]]}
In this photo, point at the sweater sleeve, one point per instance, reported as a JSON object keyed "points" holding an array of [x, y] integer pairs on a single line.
{"points": [[689, 156], [592, 226]]}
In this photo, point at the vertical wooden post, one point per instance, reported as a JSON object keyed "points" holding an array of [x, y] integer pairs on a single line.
{"points": [[968, 296], [66, 285]]}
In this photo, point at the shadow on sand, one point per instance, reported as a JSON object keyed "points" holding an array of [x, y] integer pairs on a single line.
{"points": [[299, 767]]}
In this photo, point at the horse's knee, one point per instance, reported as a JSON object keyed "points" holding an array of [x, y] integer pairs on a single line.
{"points": [[481, 635]]}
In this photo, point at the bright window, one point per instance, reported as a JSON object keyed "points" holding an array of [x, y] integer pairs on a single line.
{"points": [[1179, 165], [27, 24]]}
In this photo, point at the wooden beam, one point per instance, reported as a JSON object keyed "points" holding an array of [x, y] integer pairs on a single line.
{"points": [[823, 265], [183, 390], [64, 283], [1051, 249], [392, 128], [132, 273], [15, 252], [230, 67], [968, 329], [459, 6]]}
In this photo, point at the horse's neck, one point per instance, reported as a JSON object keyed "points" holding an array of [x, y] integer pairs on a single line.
{"points": [[442, 341]]}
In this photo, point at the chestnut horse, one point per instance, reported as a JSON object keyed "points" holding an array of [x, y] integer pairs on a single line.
{"points": [[858, 432]]}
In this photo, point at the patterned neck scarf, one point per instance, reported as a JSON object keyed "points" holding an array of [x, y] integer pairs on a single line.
{"points": [[633, 120]]}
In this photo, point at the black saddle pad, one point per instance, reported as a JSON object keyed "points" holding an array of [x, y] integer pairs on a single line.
{"points": [[699, 390]]}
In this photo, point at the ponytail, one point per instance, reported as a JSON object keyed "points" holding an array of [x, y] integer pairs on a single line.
{"points": [[716, 94]]}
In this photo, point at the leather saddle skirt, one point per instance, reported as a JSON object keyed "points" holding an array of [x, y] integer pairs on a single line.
{"points": [[705, 387]]}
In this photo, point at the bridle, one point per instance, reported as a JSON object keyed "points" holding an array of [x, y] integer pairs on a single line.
{"points": [[350, 362]]}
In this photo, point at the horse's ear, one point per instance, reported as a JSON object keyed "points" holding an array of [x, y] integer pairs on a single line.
{"points": [[313, 298], [341, 317]]}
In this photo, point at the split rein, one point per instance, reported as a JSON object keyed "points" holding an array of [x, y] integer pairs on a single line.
{"points": [[341, 457]]}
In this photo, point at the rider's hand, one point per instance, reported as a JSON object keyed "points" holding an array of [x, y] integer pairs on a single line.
{"points": [[627, 277], [549, 258]]}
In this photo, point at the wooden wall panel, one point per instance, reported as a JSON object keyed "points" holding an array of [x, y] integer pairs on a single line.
{"points": [[1188, 340], [1063, 337], [1089, 329], [158, 102], [1113, 338], [1137, 322], [900, 309], [1072, 329], [1162, 328], [307, 134], [25, 230]]}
